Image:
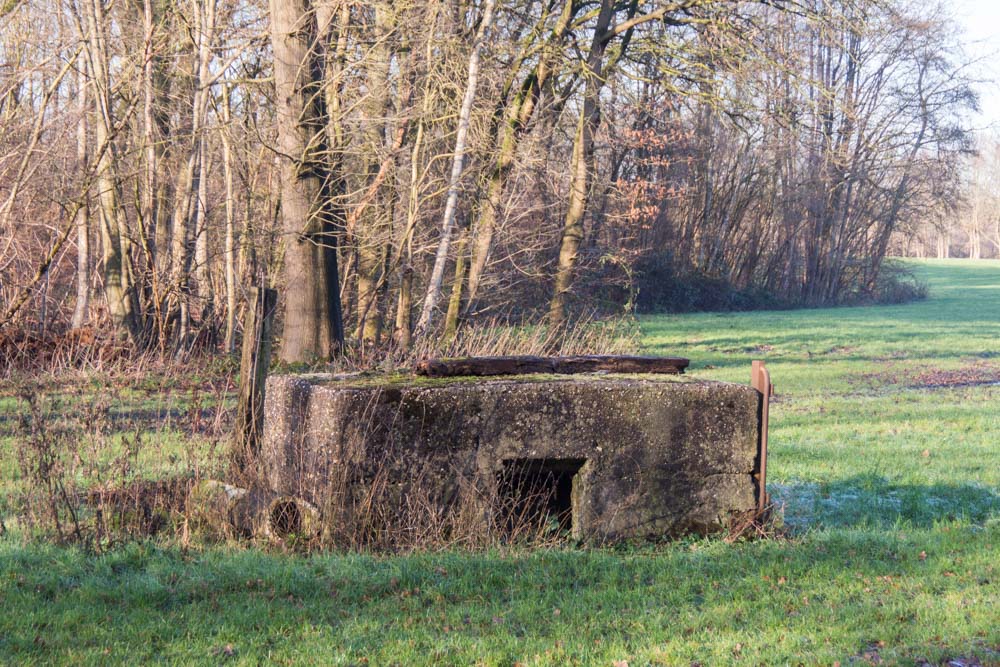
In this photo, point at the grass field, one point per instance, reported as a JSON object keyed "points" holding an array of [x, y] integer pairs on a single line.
{"points": [[885, 454]]}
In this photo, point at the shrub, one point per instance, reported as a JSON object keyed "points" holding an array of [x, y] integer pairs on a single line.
{"points": [[896, 283], [663, 286]]}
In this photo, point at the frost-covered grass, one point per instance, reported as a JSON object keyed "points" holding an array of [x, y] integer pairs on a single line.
{"points": [[888, 472]]}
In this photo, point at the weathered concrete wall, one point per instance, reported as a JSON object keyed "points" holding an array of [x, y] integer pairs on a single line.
{"points": [[662, 456]]}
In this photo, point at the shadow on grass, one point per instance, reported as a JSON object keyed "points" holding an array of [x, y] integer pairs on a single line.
{"points": [[679, 602], [872, 501]]}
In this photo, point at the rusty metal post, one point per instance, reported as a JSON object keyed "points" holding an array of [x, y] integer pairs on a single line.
{"points": [[760, 379]]}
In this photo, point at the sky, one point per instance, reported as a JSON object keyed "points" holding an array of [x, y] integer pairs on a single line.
{"points": [[980, 21]]}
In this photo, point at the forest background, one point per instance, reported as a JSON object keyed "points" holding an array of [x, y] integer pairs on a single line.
{"points": [[401, 169]]}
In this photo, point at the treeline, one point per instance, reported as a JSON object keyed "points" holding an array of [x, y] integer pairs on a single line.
{"points": [[399, 168], [968, 224]]}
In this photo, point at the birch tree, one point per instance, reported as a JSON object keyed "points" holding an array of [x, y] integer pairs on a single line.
{"points": [[454, 181]]}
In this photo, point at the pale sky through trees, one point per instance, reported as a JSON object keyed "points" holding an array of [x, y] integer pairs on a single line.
{"points": [[980, 19]]}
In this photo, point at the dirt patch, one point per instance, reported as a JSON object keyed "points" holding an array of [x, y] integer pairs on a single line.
{"points": [[977, 373], [749, 349], [971, 375], [890, 375]]}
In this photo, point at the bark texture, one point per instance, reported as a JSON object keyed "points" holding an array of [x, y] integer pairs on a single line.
{"points": [[313, 328]]}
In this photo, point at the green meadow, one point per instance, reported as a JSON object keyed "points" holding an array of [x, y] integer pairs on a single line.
{"points": [[884, 467]]}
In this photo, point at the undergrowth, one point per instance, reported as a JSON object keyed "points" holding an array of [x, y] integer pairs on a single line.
{"points": [[102, 450]]}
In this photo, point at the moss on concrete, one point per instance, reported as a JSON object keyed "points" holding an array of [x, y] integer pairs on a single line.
{"points": [[403, 379]]}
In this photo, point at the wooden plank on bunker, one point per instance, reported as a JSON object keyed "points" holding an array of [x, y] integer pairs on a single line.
{"points": [[520, 365]]}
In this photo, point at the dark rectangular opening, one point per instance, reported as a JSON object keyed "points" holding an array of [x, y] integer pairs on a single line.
{"points": [[536, 496]]}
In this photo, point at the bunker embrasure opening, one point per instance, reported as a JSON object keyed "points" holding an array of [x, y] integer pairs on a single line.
{"points": [[536, 495], [286, 519]]}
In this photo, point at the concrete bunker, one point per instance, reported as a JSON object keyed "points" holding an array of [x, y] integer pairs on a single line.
{"points": [[601, 455]]}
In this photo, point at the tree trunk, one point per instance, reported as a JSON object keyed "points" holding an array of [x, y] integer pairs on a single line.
{"points": [[404, 307], [404, 244], [112, 216], [448, 221], [509, 129], [187, 193], [372, 223], [455, 302], [975, 238], [230, 241], [206, 293], [313, 327], [82, 307], [155, 126], [581, 166], [572, 234]]}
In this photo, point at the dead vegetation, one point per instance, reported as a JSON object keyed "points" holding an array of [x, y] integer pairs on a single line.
{"points": [[82, 480], [108, 446], [762, 524], [25, 350], [98, 462], [366, 508]]}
